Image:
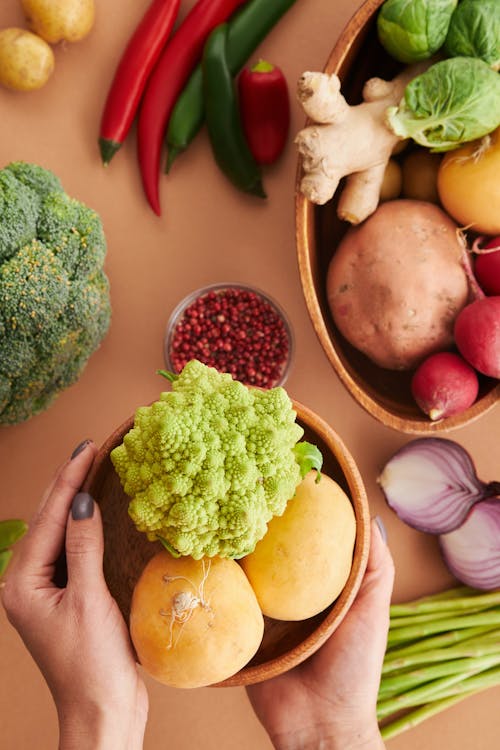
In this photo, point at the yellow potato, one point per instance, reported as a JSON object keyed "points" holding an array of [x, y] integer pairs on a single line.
{"points": [[420, 171], [304, 560], [194, 622], [469, 187], [391, 184], [60, 20], [26, 61]]}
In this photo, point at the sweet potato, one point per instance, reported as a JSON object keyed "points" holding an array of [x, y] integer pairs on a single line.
{"points": [[396, 283]]}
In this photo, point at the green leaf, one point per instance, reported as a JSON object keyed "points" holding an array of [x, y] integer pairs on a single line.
{"points": [[308, 457], [10, 531], [5, 556], [455, 101], [169, 547], [170, 376]]}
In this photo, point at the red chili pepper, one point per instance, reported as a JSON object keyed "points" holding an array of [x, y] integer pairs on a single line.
{"points": [[166, 83], [265, 110], [137, 62]]}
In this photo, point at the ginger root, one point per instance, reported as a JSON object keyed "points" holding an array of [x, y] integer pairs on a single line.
{"points": [[347, 141]]}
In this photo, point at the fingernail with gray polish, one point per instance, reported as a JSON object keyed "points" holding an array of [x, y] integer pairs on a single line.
{"points": [[82, 506], [79, 448], [381, 528]]}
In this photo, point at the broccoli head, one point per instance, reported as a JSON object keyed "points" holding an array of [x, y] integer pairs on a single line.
{"points": [[54, 294], [210, 463]]}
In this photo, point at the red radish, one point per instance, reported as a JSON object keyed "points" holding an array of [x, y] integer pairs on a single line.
{"points": [[443, 385], [487, 267], [477, 335]]}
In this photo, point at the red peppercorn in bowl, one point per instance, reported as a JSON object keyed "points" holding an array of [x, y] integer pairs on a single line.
{"points": [[234, 328]]}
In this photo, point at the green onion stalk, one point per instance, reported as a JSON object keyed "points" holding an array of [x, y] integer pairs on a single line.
{"points": [[440, 650]]}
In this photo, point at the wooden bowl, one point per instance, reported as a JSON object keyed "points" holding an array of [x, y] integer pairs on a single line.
{"points": [[285, 644], [385, 394]]}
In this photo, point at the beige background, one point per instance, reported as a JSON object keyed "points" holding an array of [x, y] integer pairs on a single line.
{"points": [[208, 233]]}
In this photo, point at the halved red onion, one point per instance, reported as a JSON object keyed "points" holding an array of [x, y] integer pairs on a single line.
{"points": [[472, 552], [431, 484]]}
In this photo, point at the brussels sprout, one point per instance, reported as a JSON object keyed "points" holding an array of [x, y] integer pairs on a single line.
{"points": [[474, 31], [412, 30], [454, 101]]}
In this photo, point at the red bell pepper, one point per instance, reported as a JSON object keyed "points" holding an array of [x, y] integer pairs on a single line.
{"points": [[265, 110], [140, 55], [166, 82]]}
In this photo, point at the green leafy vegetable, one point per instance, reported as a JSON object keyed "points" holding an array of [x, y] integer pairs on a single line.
{"points": [[453, 102], [413, 30], [475, 31], [309, 457]]}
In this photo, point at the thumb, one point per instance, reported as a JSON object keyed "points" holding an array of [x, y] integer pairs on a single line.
{"points": [[84, 544]]}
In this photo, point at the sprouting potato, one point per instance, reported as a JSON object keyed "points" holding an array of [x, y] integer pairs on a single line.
{"points": [[26, 61], [60, 20]]}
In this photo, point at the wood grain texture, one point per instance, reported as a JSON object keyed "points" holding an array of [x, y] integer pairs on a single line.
{"points": [[385, 394], [285, 644]]}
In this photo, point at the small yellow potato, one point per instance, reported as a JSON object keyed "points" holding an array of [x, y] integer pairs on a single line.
{"points": [[60, 20], [420, 170], [303, 562], [391, 184], [194, 622], [26, 61]]}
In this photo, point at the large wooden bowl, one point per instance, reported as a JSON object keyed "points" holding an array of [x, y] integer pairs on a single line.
{"points": [[285, 644], [385, 394]]}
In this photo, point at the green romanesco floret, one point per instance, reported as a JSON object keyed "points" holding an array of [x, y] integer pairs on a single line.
{"points": [[210, 463], [54, 294]]}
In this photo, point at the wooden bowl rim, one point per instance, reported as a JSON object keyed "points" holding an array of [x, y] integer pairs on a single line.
{"points": [[338, 610], [305, 240]]}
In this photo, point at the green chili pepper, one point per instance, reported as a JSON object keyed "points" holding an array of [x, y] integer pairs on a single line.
{"points": [[224, 126], [246, 30], [10, 532], [5, 556]]}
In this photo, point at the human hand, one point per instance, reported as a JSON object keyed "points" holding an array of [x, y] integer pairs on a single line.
{"points": [[330, 700], [76, 634]]}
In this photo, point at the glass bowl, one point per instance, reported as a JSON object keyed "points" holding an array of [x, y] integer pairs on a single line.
{"points": [[235, 328]]}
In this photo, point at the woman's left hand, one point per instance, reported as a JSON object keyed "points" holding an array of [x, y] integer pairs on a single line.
{"points": [[76, 634]]}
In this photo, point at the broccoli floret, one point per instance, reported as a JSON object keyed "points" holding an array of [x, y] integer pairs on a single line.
{"points": [[209, 464], [18, 215], [54, 294], [40, 180]]}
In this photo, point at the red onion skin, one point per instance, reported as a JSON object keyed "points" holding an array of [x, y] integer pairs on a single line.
{"points": [[444, 384], [472, 552], [437, 515]]}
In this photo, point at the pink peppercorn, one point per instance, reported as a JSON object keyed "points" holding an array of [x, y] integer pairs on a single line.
{"points": [[235, 330]]}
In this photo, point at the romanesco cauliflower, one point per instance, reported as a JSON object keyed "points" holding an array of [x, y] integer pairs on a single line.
{"points": [[54, 294], [210, 463]]}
